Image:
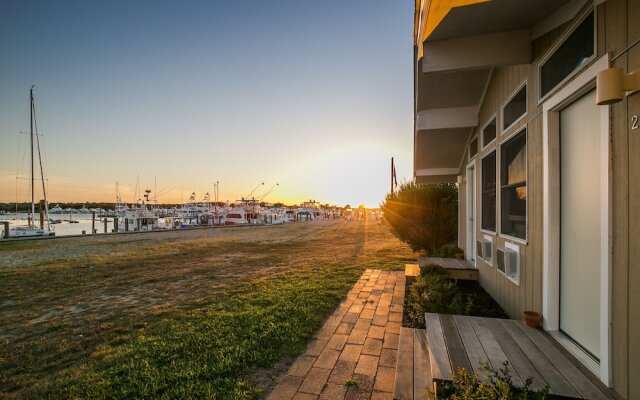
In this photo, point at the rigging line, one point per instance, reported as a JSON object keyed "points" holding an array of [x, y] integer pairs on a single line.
{"points": [[38, 134], [44, 191]]}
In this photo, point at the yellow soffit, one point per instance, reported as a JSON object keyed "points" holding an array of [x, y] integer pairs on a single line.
{"points": [[432, 12]]}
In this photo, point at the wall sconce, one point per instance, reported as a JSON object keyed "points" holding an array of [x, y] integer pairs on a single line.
{"points": [[612, 84]]}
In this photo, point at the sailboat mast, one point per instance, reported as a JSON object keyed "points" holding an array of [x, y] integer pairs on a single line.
{"points": [[33, 182]]}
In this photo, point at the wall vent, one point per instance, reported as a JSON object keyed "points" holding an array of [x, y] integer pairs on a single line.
{"points": [[488, 250], [508, 262]]}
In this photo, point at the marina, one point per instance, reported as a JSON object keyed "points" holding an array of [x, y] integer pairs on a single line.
{"points": [[192, 215]]}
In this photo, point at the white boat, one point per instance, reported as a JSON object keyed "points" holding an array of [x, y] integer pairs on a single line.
{"points": [[136, 218], [236, 216], [31, 230], [56, 210]]}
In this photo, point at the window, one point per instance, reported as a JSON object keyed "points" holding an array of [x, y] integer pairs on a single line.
{"points": [[513, 186], [574, 52], [489, 192], [489, 132], [473, 148], [515, 108]]}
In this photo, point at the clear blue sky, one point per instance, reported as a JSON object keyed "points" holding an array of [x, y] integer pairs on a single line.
{"points": [[315, 95]]}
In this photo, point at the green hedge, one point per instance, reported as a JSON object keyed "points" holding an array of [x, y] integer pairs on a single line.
{"points": [[423, 216]]}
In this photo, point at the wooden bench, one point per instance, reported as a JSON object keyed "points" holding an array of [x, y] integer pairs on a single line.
{"points": [[456, 341]]}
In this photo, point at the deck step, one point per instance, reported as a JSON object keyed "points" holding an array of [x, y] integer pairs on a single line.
{"points": [[457, 341], [413, 372], [457, 269], [411, 272]]}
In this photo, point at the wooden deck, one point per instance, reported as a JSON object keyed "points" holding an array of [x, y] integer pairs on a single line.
{"points": [[413, 373], [457, 269], [456, 341]]}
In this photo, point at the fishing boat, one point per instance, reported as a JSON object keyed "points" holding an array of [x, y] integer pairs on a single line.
{"points": [[31, 229]]}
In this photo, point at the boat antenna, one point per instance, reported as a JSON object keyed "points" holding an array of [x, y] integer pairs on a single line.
{"points": [[254, 189]]}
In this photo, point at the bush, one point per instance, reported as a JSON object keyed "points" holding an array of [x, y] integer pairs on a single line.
{"points": [[423, 216], [434, 292], [497, 386]]}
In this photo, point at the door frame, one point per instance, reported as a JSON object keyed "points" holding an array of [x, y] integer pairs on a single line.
{"points": [[471, 195], [579, 86]]}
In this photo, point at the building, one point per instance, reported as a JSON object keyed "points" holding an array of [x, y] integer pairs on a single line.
{"points": [[506, 105]]}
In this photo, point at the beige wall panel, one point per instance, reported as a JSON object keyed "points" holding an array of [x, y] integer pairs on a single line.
{"points": [[528, 295], [534, 249], [616, 35], [602, 23], [633, 217], [462, 213]]}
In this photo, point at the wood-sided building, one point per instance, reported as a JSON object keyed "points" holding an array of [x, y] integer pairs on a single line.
{"points": [[549, 181]]}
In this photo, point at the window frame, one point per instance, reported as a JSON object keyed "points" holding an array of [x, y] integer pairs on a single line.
{"points": [[493, 117], [487, 154], [578, 19], [523, 84], [502, 235], [469, 156]]}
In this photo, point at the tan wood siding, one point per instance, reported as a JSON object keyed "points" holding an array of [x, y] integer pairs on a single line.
{"points": [[616, 29], [616, 38], [633, 216]]}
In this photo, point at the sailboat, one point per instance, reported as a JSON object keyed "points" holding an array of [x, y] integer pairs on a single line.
{"points": [[31, 229]]}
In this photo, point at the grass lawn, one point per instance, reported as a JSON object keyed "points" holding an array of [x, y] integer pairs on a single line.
{"points": [[198, 314]]}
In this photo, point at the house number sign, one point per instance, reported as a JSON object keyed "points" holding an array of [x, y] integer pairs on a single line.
{"points": [[634, 122]]}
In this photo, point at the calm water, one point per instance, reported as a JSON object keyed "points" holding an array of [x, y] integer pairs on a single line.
{"points": [[65, 228]]}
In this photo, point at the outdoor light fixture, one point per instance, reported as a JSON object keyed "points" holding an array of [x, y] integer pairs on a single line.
{"points": [[613, 83]]}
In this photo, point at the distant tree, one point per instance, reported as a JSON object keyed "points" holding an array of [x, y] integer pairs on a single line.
{"points": [[424, 216]]}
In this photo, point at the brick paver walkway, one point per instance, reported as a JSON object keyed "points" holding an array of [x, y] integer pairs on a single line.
{"points": [[354, 354]]}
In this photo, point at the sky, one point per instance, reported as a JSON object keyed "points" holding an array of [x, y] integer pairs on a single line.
{"points": [[316, 96]]}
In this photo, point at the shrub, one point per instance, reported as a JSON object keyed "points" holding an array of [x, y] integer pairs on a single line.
{"points": [[423, 216], [434, 292], [497, 386]]}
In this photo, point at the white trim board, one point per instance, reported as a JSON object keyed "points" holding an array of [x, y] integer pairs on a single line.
{"points": [[580, 85], [437, 171]]}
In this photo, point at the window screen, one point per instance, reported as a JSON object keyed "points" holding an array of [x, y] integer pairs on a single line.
{"points": [[574, 52], [473, 148], [515, 108], [489, 133], [513, 184], [489, 192]]}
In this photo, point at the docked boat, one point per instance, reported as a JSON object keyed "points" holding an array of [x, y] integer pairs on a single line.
{"points": [[31, 230], [138, 217]]}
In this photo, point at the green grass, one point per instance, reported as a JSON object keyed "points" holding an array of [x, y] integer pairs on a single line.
{"points": [[180, 316], [208, 352]]}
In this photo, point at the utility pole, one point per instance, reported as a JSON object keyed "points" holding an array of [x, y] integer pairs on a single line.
{"points": [[392, 171]]}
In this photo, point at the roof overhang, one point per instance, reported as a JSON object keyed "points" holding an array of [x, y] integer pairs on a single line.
{"points": [[458, 48]]}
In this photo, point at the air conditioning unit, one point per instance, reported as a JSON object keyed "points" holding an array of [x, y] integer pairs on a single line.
{"points": [[487, 249], [508, 261], [480, 248]]}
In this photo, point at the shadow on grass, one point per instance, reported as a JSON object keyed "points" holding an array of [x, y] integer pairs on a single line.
{"points": [[208, 352]]}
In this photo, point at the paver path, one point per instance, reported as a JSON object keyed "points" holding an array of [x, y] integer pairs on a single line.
{"points": [[354, 354]]}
